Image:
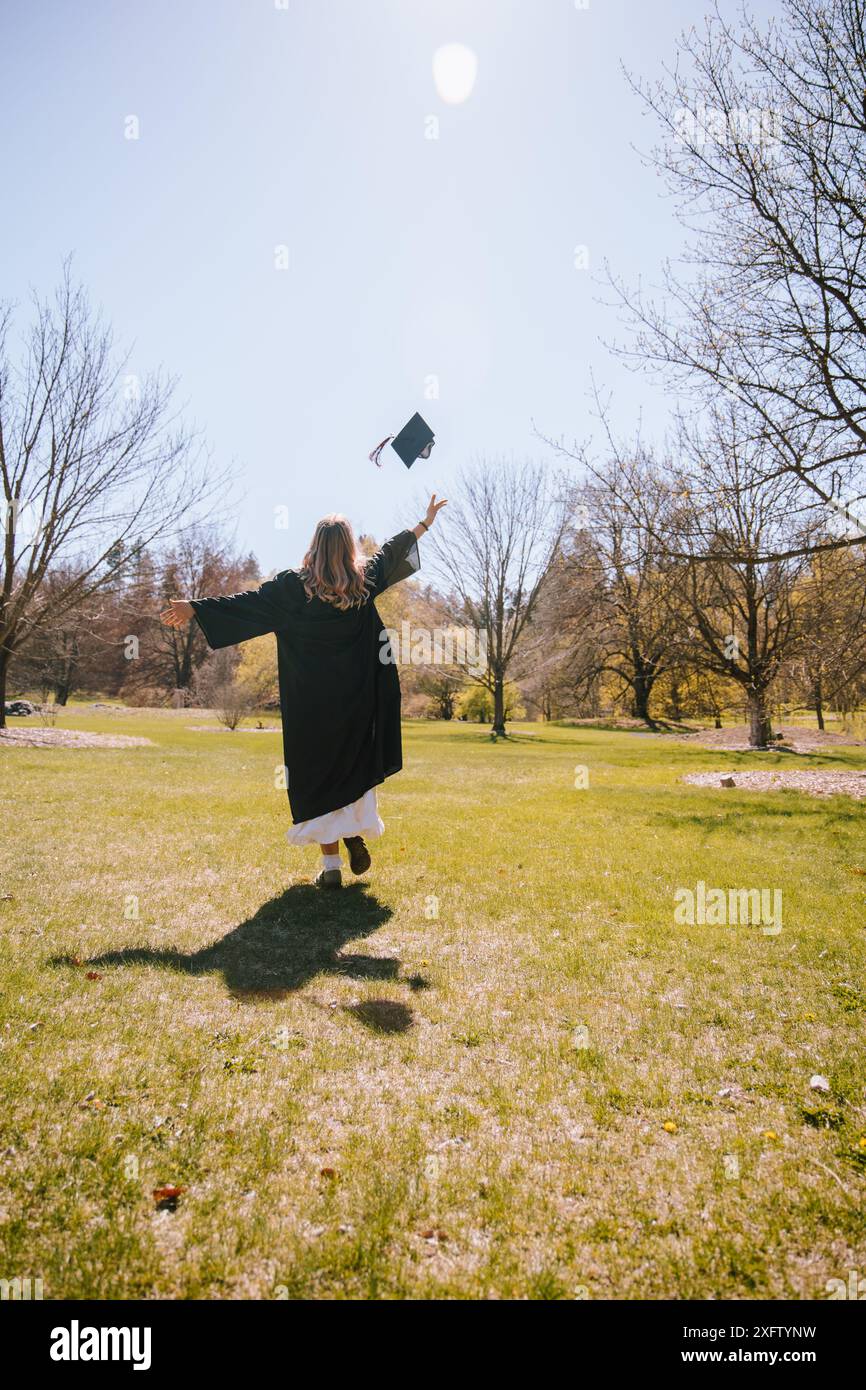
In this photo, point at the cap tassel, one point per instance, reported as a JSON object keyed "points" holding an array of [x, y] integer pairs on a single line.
{"points": [[377, 452]]}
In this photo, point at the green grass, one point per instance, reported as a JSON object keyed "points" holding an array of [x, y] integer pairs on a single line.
{"points": [[362, 1099]]}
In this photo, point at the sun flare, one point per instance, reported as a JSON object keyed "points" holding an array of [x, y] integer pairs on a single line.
{"points": [[455, 68]]}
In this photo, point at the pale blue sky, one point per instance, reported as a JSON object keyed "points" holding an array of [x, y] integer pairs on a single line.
{"points": [[409, 257]]}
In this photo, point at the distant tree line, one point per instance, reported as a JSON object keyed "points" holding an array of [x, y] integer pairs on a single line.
{"points": [[618, 596], [112, 643]]}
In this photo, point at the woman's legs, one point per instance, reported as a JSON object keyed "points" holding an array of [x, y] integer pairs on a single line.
{"points": [[329, 876], [359, 855]]}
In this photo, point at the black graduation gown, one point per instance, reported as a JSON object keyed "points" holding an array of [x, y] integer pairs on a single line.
{"points": [[339, 702]]}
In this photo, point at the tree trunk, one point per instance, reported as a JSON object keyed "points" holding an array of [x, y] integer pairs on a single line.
{"points": [[819, 703], [184, 675], [640, 704], [676, 706], [4, 668], [498, 707], [760, 731]]}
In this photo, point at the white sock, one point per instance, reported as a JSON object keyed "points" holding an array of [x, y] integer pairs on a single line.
{"points": [[332, 861]]}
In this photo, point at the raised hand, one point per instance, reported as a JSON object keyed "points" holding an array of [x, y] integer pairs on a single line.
{"points": [[433, 508]]}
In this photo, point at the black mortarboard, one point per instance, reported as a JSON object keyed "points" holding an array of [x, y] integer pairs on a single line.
{"points": [[414, 441]]}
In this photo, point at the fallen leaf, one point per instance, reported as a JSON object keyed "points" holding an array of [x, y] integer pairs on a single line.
{"points": [[166, 1198]]}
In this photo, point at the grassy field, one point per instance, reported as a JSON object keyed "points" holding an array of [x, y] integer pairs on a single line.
{"points": [[498, 1069]]}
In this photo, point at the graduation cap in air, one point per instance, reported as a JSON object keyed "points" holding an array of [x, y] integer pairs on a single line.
{"points": [[414, 441]]}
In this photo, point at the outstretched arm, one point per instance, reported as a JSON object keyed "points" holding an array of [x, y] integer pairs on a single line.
{"points": [[399, 556], [235, 618]]}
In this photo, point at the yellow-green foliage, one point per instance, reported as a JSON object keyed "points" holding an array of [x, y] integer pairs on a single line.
{"points": [[257, 669], [475, 703]]}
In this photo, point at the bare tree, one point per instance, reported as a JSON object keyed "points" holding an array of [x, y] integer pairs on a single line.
{"points": [[743, 615], [623, 509], [232, 703], [443, 686], [561, 656], [764, 146], [198, 563], [61, 647], [493, 552], [218, 687], [94, 465]]}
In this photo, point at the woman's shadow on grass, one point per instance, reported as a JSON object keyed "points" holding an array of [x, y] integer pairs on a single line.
{"points": [[288, 941]]}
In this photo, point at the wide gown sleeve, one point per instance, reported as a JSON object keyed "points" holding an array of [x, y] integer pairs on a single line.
{"points": [[397, 559], [238, 617]]}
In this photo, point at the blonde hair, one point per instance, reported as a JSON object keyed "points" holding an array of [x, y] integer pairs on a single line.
{"points": [[333, 568]]}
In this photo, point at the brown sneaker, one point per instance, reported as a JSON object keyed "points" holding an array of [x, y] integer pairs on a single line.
{"points": [[328, 878], [359, 855]]}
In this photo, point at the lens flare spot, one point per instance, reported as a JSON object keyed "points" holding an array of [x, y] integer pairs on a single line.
{"points": [[455, 68]]}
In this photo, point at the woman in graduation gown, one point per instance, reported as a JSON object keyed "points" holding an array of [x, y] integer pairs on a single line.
{"points": [[339, 687]]}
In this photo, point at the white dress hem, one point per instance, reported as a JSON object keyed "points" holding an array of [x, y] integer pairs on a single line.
{"points": [[360, 818]]}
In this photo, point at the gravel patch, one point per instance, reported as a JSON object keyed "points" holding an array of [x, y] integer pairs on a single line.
{"points": [[795, 739], [813, 782], [68, 738]]}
